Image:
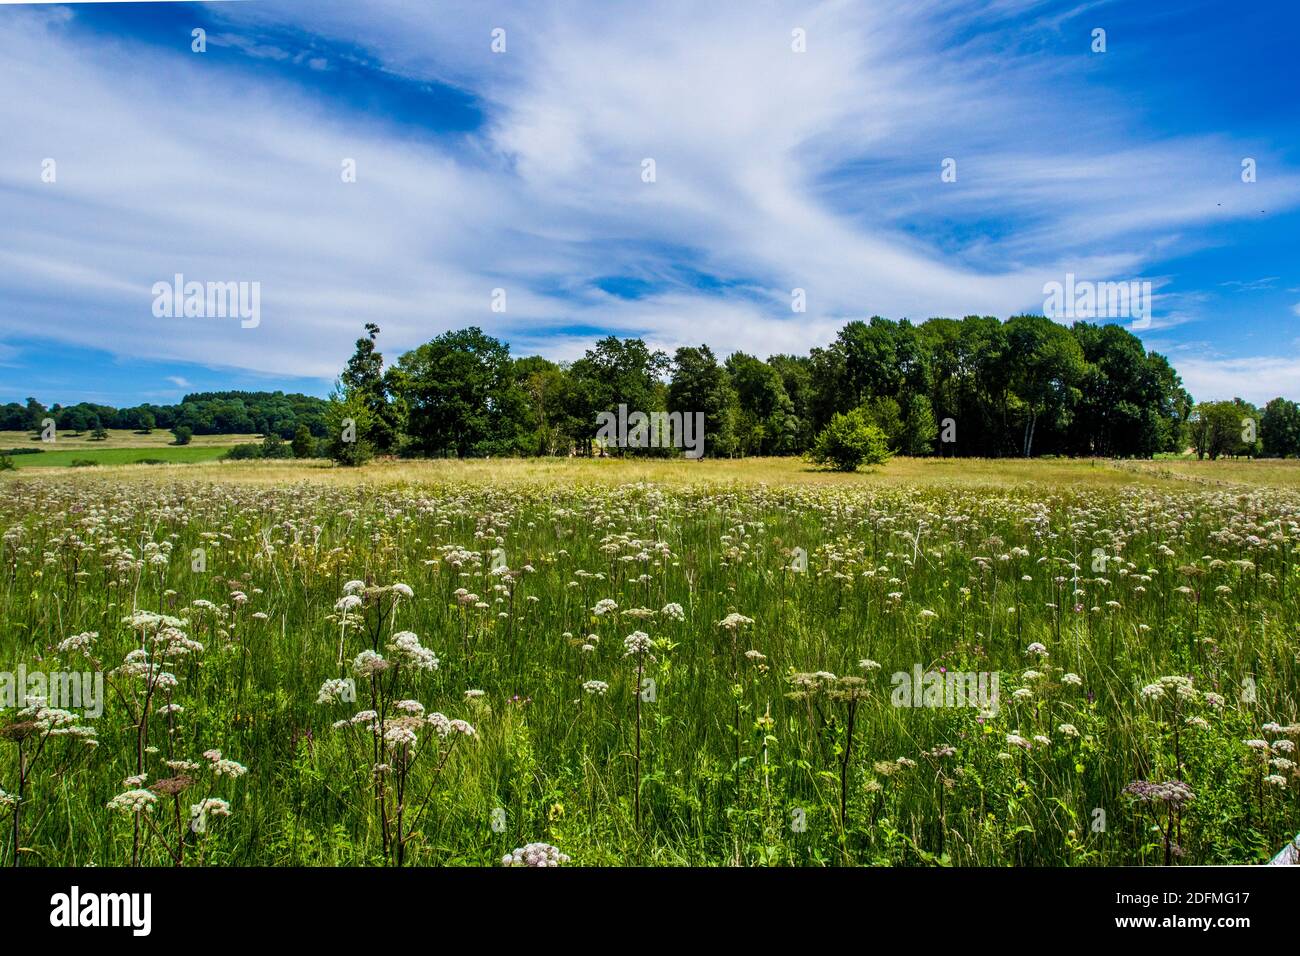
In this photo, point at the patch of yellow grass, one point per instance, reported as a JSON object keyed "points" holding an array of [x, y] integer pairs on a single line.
{"points": [[571, 472], [117, 438]]}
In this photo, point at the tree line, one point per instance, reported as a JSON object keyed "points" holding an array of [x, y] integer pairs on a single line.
{"points": [[976, 386], [200, 413]]}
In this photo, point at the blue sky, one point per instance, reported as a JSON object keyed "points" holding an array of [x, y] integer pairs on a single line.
{"points": [[522, 170]]}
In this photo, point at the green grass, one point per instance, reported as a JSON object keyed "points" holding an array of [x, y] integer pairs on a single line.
{"points": [[1125, 575], [102, 456]]}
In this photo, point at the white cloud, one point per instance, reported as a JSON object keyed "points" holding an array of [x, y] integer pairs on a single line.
{"points": [[1257, 379], [769, 175]]}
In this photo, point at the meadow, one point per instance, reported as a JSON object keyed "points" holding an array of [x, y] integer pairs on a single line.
{"points": [[653, 663], [121, 447]]}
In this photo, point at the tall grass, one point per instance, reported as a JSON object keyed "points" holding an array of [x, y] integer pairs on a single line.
{"points": [[736, 759]]}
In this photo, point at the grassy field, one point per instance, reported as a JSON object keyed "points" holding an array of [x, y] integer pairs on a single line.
{"points": [[122, 447], [660, 663], [750, 472]]}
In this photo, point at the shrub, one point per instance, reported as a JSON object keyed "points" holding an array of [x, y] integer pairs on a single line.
{"points": [[243, 452], [273, 446], [849, 441], [183, 434]]}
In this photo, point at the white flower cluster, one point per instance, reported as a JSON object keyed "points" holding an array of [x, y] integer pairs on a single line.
{"points": [[133, 801], [595, 687], [733, 621], [406, 649], [445, 726], [78, 642], [369, 664], [335, 690], [535, 854], [222, 767], [638, 642]]}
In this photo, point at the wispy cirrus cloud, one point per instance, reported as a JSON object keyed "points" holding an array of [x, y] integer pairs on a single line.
{"points": [[774, 170]]}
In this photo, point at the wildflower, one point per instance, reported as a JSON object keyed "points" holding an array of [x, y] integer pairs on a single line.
{"points": [[1036, 649], [406, 649], [210, 806], [733, 621], [604, 606], [638, 642], [222, 767], [673, 612], [535, 854], [133, 801], [335, 690], [369, 664], [78, 642], [1069, 730], [595, 687], [1173, 793], [399, 736]]}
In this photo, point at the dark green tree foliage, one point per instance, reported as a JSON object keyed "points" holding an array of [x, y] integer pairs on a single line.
{"points": [[617, 371], [462, 397], [365, 377], [766, 422], [1279, 429], [699, 384], [304, 446], [204, 413], [974, 386]]}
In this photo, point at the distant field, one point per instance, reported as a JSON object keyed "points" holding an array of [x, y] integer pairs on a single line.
{"points": [[122, 447], [188, 454], [967, 473], [117, 438]]}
